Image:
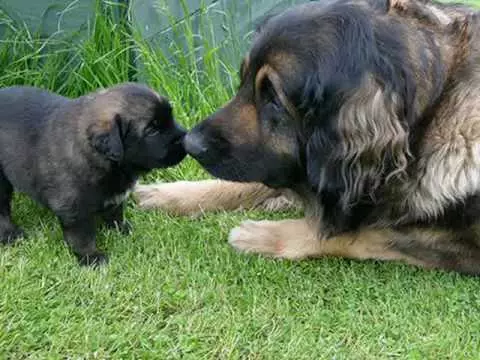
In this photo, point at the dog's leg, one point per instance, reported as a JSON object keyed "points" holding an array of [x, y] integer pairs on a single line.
{"points": [[195, 197], [9, 232], [298, 239], [290, 239], [79, 234], [113, 216]]}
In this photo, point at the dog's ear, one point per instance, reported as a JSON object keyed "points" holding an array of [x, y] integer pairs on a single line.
{"points": [[107, 140], [362, 145]]}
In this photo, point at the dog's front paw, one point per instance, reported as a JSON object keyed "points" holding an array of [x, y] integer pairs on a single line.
{"points": [[11, 235], [288, 239], [175, 198], [93, 260], [256, 237]]}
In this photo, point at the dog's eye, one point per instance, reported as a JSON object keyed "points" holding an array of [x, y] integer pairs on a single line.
{"points": [[276, 104], [269, 95], [151, 131]]}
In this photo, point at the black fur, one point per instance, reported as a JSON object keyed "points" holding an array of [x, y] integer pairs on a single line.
{"points": [[77, 156]]}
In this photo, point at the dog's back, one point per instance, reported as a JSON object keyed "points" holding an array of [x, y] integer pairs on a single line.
{"points": [[24, 111], [24, 114]]}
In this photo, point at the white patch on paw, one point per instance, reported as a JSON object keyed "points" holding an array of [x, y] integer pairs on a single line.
{"points": [[288, 239], [254, 237]]}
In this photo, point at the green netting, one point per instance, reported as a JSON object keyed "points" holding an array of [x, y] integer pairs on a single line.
{"points": [[48, 16], [224, 23]]}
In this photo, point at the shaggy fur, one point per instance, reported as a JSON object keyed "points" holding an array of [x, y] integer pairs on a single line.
{"points": [[80, 156], [369, 111]]}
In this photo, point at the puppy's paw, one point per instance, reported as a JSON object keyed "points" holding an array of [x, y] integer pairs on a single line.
{"points": [[289, 239], [124, 227], [11, 235], [93, 260], [174, 198]]}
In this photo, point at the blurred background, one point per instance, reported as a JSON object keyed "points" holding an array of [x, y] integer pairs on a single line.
{"points": [[180, 29]]}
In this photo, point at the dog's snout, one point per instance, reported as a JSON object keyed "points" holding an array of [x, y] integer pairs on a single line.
{"points": [[195, 145], [179, 136]]}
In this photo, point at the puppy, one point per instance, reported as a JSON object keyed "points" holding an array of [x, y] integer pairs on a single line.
{"points": [[79, 157]]}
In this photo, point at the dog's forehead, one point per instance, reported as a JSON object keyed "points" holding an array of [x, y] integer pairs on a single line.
{"points": [[288, 34], [140, 100], [305, 25], [131, 92]]}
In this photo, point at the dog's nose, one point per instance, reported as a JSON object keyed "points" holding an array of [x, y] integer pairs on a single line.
{"points": [[195, 145]]}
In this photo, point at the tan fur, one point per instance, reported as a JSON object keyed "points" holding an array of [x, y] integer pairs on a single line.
{"points": [[244, 66], [370, 128], [450, 166], [298, 239], [196, 197], [249, 128], [288, 239], [430, 13]]}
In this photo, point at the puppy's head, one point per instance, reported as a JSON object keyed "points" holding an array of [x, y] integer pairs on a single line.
{"points": [[317, 97], [132, 126]]}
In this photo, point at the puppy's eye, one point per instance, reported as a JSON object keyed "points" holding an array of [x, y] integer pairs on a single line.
{"points": [[151, 131]]}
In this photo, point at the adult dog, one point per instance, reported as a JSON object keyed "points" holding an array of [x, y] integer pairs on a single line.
{"points": [[369, 111]]}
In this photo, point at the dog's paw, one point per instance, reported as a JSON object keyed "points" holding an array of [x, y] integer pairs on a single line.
{"points": [[93, 260], [174, 198], [256, 237], [124, 227], [288, 239], [11, 236]]}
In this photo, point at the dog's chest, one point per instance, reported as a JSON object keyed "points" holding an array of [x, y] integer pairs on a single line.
{"points": [[117, 189]]}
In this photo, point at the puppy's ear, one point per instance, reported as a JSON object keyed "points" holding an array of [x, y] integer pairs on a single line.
{"points": [[107, 140], [363, 145]]}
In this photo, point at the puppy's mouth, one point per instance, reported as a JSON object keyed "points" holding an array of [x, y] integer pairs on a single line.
{"points": [[176, 153]]}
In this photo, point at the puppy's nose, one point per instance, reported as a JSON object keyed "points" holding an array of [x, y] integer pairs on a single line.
{"points": [[195, 145]]}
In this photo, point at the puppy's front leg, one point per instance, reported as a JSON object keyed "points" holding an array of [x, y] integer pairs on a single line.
{"points": [[9, 232], [79, 234], [113, 216]]}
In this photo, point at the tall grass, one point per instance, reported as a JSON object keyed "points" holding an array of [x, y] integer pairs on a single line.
{"points": [[111, 50], [69, 64], [189, 68]]}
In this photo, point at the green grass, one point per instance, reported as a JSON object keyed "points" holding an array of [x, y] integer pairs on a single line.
{"points": [[174, 289]]}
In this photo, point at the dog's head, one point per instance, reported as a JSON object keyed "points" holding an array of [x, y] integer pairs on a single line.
{"points": [[132, 126], [327, 94]]}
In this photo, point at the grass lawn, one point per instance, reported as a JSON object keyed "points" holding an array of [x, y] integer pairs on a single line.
{"points": [[175, 289]]}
